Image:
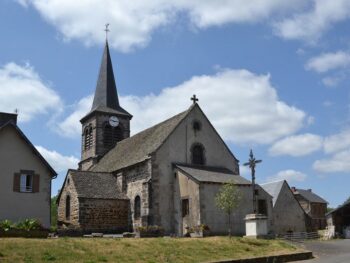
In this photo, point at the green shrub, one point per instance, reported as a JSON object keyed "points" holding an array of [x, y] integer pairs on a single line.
{"points": [[6, 225], [29, 224]]}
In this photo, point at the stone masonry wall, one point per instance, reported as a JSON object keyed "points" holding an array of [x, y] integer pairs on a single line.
{"points": [[135, 181], [73, 221], [103, 215]]}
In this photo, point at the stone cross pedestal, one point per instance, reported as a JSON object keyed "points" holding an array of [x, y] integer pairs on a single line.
{"points": [[256, 225]]}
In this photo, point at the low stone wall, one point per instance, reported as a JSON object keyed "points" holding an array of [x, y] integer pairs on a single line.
{"points": [[100, 215], [272, 259]]}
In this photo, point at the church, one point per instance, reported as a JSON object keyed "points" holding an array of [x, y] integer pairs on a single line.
{"points": [[167, 175]]}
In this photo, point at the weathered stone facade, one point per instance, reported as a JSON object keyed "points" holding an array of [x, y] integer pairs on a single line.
{"points": [[103, 215], [68, 190], [293, 219], [89, 212], [136, 181]]}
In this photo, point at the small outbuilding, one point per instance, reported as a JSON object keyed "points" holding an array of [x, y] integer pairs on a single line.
{"points": [[288, 215], [92, 202], [340, 218], [314, 206]]}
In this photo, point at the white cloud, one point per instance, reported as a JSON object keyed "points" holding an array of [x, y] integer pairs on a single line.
{"points": [[311, 24], [337, 142], [331, 81], [299, 145], [288, 175], [328, 61], [22, 88], [71, 127], [339, 162], [133, 22], [59, 162], [243, 106]]}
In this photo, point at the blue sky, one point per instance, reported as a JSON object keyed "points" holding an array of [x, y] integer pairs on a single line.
{"points": [[270, 75]]}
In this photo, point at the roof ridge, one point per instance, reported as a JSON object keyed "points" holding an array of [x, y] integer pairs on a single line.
{"points": [[273, 182]]}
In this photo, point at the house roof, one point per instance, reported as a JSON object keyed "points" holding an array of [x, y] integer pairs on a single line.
{"points": [[96, 185], [138, 147], [339, 208], [12, 125], [205, 174], [274, 189], [310, 196], [106, 95]]}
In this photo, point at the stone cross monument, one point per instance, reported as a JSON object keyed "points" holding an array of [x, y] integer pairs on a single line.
{"points": [[255, 224]]}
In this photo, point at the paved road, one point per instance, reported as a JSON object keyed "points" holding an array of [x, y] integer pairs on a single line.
{"points": [[335, 251]]}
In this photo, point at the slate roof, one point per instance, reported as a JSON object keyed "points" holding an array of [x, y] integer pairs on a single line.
{"points": [[96, 185], [205, 174], [26, 140], [106, 95], [138, 147], [339, 208], [274, 189], [310, 196]]}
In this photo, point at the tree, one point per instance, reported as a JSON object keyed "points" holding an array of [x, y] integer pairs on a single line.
{"points": [[227, 199], [53, 212]]}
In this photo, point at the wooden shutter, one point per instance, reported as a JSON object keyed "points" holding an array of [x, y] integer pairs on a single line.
{"points": [[36, 183], [16, 182]]}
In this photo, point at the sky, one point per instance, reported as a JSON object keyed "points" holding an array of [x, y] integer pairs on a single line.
{"points": [[271, 76]]}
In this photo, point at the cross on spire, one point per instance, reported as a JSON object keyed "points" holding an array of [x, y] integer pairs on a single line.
{"points": [[194, 99], [106, 30]]}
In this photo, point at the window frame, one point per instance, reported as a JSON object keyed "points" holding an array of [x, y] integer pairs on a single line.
{"points": [[28, 183]]}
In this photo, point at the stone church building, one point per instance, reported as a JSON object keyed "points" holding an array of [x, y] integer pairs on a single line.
{"points": [[167, 175]]}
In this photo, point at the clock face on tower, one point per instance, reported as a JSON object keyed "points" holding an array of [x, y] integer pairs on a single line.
{"points": [[114, 121]]}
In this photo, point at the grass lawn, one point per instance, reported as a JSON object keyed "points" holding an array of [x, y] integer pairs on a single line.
{"points": [[137, 250]]}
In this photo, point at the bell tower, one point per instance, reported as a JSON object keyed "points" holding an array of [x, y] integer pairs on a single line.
{"points": [[107, 123]]}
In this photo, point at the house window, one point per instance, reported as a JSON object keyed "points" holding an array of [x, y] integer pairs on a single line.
{"points": [[137, 207], [185, 204], [198, 154], [262, 207], [68, 207], [26, 183]]}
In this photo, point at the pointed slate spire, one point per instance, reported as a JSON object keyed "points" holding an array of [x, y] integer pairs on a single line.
{"points": [[106, 91]]}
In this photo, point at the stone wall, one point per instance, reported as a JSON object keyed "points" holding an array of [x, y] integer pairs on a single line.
{"points": [[68, 189], [217, 220], [186, 188], [288, 214], [135, 181], [101, 215], [177, 149]]}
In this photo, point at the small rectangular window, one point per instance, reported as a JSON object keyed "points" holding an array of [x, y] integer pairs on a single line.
{"points": [[26, 183], [185, 207]]}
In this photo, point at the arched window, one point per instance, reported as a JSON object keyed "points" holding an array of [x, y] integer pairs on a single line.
{"points": [[198, 154], [137, 207], [68, 207], [88, 138]]}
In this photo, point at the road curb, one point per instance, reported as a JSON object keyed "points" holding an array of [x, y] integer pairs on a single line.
{"points": [[271, 259]]}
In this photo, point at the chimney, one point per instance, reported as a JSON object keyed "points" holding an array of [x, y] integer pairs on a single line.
{"points": [[8, 117]]}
